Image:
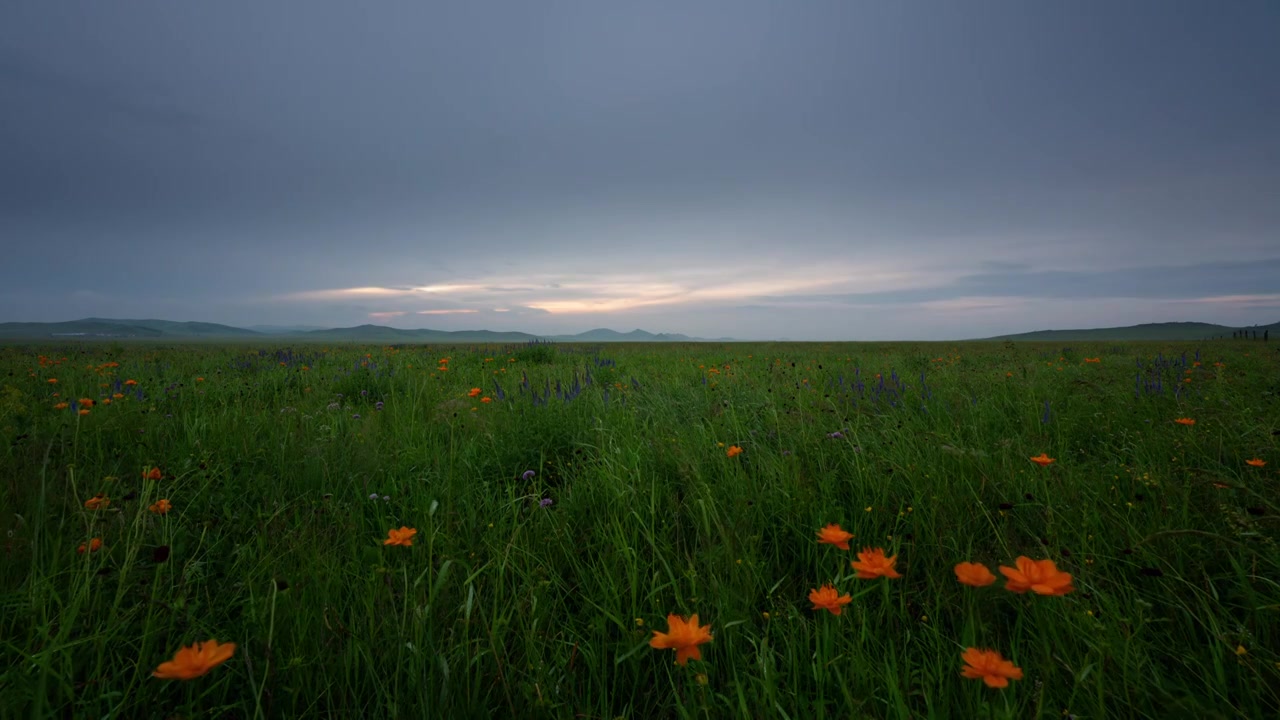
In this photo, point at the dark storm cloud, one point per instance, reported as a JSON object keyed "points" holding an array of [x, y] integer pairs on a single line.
{"points": [[232, 153], [1174, 283]]}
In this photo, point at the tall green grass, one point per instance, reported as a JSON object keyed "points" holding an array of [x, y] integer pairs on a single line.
{"points": [[508, 607]]}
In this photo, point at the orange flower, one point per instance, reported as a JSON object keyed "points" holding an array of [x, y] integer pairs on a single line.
{"points": [[94, 544], [1042, 459], [130, 382], [994, 670], [1185, 421], [53, 381], [828, 598], [192, 662], [974, 574], [97, 501], [86, 402], [152, 474], [84, 412], [1256, 462], [117, 396], [486, 399], [61, 406], [833, 534], [682, 636], [872, 563], [475, 392], [160, 507], [1040, 576], [733, 451], [403, 536]]}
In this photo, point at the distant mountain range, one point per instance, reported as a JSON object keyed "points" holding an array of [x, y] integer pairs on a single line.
{"points": [[108, 329], [1150, 331]]}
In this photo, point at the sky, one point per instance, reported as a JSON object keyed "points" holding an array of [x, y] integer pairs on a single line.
{"points": [[818, 170]]}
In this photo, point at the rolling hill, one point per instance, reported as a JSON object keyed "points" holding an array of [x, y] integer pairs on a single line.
{"points": [[114, 329], [111, 329], [1169, 331]]}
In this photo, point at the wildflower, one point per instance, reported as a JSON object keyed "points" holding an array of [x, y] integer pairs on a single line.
{"points": [[61, 406], [403, 536], [974, 574], [152, 474], [192, 662], [53, 381], [117, 396], [994, 670], [545, 502], [1042, 459], [85, 402], [94, 544], [97, 502], [733, 451], [872, 563], [475, 392], [130, 382], [84, 411], [1041, 576], [486, 400], [1255, 462], [160, 507], [527, 475], [833, 534], [199, 379], [682, 636], [828, 598], [1185, 421]]}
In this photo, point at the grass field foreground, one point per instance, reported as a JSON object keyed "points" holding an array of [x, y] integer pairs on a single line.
{"points": [[504, 531]]}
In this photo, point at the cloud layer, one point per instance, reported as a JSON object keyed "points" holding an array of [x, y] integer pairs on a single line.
{"points": [[826, 169]]}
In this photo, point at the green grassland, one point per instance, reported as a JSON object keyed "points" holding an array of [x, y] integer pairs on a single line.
{"points": [[508, 606]]}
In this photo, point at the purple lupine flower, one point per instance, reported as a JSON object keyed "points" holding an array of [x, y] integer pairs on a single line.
{"points": [[527, 475]]}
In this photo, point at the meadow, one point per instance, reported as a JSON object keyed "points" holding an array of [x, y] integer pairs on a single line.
{"points": [[485, 531]]}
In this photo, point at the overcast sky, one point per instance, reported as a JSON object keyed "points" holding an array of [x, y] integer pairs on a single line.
{"points": [[809, 170]]}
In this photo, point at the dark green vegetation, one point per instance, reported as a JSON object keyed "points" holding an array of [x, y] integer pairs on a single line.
{"points": [[504, 607]]}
